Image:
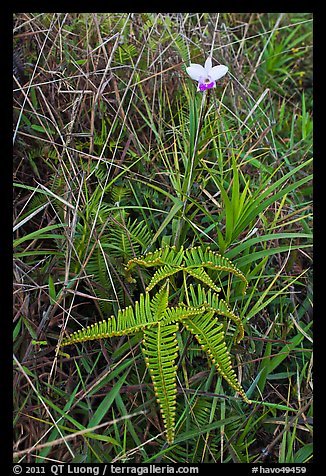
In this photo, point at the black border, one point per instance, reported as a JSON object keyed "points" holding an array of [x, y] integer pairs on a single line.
{"points": [[7, 197]]}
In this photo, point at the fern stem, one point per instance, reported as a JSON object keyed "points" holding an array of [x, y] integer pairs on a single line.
{"points": [[185, 286]]}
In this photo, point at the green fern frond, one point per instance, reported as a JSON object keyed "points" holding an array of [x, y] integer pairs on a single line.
{"points": [[159, 302], [128, 321], [99, 330], [101, 211], [160, 348], [159, 323], [201, 410], [199, 257], [209, 334], [179, 313], [126, 52], [119, 193], [160, 257], [36, 202], [128, 238], [201, 275], [192, 261], [97, 267], [105, 329], [218, 305], [147, 311], [120, 243], [140, 233], [182, 48], [163, 273], [125, 238]]}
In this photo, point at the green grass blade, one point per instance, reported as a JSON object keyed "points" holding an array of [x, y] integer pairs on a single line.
{"points": [[106, 403], [41, 234]]}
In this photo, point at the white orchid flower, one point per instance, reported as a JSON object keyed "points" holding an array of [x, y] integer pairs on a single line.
{"points": [[206, 75]]}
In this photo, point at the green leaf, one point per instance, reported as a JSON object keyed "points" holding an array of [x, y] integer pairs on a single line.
{"points": [[106, 403], [209, 333], [54, 433], [269, 364], [41, 234], [31, 330], [174, 210], [52, 293], [304, 454], [43, 129], [189, 435], [17, 329], [258, 255], [160, 348], [159, 323], [236, 250], [277, 406]]}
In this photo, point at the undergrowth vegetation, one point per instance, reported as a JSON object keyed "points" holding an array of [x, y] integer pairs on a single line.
{"points": [[118, 157]]}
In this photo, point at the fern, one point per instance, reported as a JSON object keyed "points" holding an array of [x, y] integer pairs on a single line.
{"points": [[213, 301], [159, 322], [182, 48], [122, 239], [126, 53], [191, 261], [163, 273], [160, 348], [128, 321], [159, 302], [139, 235], [210, 259], [162, 256], [209, 334], [201, 275]]}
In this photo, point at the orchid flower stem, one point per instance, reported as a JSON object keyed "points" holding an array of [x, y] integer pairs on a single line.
{"points": [[200, 125], [189, 174]]}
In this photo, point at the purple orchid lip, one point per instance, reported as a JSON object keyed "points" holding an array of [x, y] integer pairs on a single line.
{"points": [[204, 86]]}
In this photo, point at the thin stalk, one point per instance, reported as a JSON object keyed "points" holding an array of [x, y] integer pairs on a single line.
{"points": [[202, 114]]}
